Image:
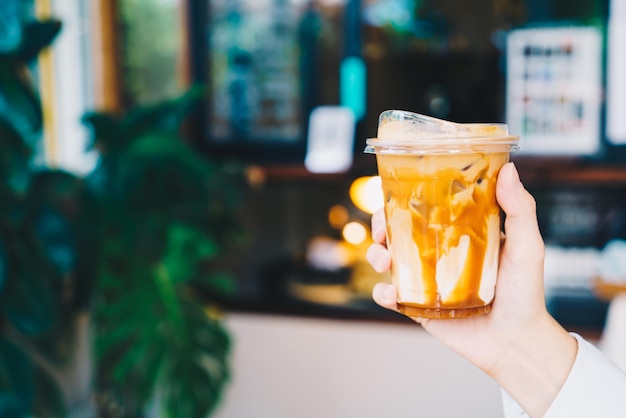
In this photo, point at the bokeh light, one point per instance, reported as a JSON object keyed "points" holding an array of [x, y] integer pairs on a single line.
{"points": [[355, 233], [367, 194], [338, 216]]}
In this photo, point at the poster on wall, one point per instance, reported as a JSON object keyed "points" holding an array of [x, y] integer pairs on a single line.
{"points": [[554, 89]]}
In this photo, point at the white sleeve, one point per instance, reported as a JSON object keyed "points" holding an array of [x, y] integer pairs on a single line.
{"points": [[595, 387], [511, 408]]}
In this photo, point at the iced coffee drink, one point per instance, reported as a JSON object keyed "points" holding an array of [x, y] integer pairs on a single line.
{"points": [[443, 221]]}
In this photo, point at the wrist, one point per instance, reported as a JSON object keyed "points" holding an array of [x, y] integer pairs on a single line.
{"points": [[534, 365]]}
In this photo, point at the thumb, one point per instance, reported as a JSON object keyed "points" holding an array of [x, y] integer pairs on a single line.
{"points": [[523, 237]]}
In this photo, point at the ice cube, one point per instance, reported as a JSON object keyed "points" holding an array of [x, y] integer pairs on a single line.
{"points": [[450, 268]]}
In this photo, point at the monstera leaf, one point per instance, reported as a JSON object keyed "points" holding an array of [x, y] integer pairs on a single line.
{"points": [[166, 117], [113, 133], [159, 171], [153, 247], [152, 334], [171, 345], [165, 215]]}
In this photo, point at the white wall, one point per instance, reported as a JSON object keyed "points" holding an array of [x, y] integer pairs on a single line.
{"points": [[289, 367]]}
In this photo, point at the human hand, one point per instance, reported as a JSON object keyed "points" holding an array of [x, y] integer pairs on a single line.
{"points": [[519, 323]]}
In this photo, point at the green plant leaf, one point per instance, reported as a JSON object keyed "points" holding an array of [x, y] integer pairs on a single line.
{"points": [[165, 215], [161, 175], [16, 380], [36, 36], [214, 285], [10, 25], [28, 301], [53, 207], [165, 118], [19, 103], [3, 266], [187, 247], [193, 380], [106, 133], [14, 158], [57, 189], [112, 133], [140, 350]]}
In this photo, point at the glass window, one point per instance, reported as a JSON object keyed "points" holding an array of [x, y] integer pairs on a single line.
{"points": [[152, 50]]}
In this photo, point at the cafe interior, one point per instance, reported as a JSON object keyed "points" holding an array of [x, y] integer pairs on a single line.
{"points": [[186, 201]]}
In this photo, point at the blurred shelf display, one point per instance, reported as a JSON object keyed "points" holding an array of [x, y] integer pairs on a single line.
{"points": [[579, 311]]}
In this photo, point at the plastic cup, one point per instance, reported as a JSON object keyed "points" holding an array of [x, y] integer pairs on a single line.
{"points": [[443, 220]]}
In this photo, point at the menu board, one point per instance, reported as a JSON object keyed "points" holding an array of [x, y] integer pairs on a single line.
{"points": [[254, 71], [554, 89]]}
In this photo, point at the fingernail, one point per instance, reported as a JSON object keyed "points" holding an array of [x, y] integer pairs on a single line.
{"points": [[378, 234], [382, 263], [388, 292], [515, 180]]}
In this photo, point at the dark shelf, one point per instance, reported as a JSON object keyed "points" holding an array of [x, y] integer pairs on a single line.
{"points": [[533, 171], [569, 171], [361, 311]]}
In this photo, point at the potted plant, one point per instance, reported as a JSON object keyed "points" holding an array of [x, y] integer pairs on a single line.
{"points": [[136, 245], [34, 307], [162, 217]]}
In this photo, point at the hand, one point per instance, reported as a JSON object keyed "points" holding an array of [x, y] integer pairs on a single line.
{"points": [[518, 337]]}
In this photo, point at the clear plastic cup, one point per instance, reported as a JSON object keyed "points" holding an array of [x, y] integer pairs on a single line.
{"points": [[443, 221]]}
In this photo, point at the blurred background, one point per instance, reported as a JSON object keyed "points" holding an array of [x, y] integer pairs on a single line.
{"points": [[185, 200]]}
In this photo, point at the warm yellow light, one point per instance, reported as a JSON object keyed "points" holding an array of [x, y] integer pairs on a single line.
{"points": [[338, 216], [367, 194], [354, 233]]}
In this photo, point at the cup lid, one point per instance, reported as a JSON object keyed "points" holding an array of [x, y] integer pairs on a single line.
{"points": [[407, 132]]}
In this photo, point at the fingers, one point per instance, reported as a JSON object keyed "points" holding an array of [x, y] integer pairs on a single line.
{"points": [[522, 231], [379, 231], [523, 251], [385, 295], [377, 254], [378, 257]]}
